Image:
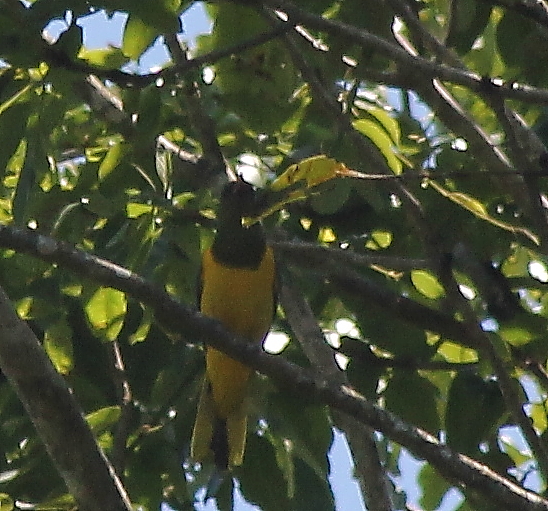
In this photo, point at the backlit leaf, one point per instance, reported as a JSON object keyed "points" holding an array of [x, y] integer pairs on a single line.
{"points": [[427, 284], [105, 311]]}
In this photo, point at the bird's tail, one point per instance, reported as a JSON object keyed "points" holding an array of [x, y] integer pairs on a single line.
{"points": [[217, 438]]}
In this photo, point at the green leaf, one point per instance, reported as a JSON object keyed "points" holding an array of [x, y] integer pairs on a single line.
{"points": [[389, 333], [333, 199], [379, 239], [13, 122], [70, 41], [523, 57], [523, 329], [138, 36], [312, 491], [105, 311], [114, 157], [518, 456], [262, 481], [150, 109], [474, 406], [6, 502], [537, 413], [433, 486], [387, 122], [35, 165], [104, 419], [414, 399], [107, 58], [308, 428], [377, 135], [58, 346], [457, 354], [468, 20], [427, 284]]}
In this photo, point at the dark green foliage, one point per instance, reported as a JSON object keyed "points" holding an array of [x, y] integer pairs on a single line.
{"points": [[139, 187]]}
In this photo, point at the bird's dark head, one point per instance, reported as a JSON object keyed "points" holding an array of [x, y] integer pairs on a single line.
{"points": [[238, 200], [236, 244]]}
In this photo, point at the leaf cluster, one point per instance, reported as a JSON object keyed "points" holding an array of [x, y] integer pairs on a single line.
{"points": [[424, 266]]}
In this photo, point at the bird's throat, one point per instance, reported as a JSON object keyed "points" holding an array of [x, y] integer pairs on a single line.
{"points": [[239, 246]]}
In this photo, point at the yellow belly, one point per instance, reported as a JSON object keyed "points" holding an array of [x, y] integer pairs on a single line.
{"points": [[243, 300]]}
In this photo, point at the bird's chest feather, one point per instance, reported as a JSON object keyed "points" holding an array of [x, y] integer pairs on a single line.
{"points": [[242, 299]]}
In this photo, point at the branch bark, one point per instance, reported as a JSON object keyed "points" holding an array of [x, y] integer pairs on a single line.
{"points": [[361, 440], [57, 417], [190, 324], [420, 65]]}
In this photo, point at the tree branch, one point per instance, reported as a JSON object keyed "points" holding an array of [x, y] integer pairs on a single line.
{"points": [[189, 323], [301, 250], [420, 65], [57, 417], [361, 439]]}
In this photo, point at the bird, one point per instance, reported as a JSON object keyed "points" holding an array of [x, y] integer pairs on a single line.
{"points": [[237, 287]]}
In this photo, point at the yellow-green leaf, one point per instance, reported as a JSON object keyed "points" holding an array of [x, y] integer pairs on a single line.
{"points": [[314, 170], [58, 346], [103, 419], [112, 159], [457, 354], [537, 412], [135, 209], [379, 239], [138, 36], [6, 502], [380, 138], [108, 58], [427, 284], [105, 311]]}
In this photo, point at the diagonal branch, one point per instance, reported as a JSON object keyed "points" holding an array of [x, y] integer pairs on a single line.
{"points": [[418, 64], [57, 417], [191, 324], [369, 470]]}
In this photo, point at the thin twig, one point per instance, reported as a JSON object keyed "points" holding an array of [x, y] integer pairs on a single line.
{"points": [[125, 399], [199, 119], [303, 250], [428, 68], [525, 148]]}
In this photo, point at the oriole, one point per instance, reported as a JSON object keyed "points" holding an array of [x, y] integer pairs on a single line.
{"points": [[237, 288]]}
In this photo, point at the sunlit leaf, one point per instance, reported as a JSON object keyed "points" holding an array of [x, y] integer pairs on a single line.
{"points": [[537, 412], [106, 310], [58, 346], [313, 171], [434, 487], [103, 419], [112, 159], [427, 284], [135, 210], [383, 142], [108, 58], [457, 354], [6, 502], [380, 239], [138, 36], [519, 456]]}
